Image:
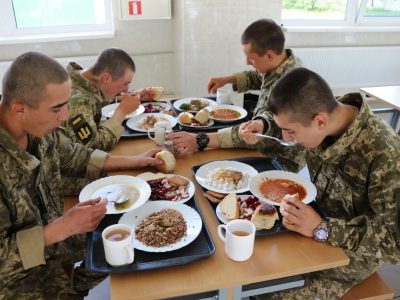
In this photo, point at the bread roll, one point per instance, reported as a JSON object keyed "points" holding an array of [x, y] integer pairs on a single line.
{"points": [[284, 201], [264, 216], [185, 118], [202, 116], [230, 207], [157, 92], [168, 161]]}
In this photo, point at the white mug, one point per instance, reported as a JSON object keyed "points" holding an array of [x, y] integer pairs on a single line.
{"points": [[224, 95], [160, 130], [157, 92], [118, 244], [238, 236]]}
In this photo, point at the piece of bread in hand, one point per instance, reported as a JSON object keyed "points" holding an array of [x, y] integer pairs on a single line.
{"points": [[214, 197], [284, 201], [264, 216], [230, 207], [168, 161], [185, 117], [202, 116]]}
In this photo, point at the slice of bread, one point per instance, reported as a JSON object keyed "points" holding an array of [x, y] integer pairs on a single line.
{"points": [[168, 161], [284, 201], [151, 176], [178, 181], [230, 207], [202, 116], [264, 216]]}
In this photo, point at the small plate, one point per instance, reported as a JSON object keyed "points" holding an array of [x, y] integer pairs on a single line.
{"points": [[209, 124], [139, 184], [219, 213], [157, 107], [192, 218], [203, 172], [190, 188], [108, 111], [237, 109], [254, 184], [179, 102], [132, 122]]}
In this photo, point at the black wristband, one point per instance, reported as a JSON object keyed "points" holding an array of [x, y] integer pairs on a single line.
{"points": [[202, 141]]}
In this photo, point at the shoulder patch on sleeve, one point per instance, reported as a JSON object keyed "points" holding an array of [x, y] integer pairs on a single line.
{"points": [[81, 128]]}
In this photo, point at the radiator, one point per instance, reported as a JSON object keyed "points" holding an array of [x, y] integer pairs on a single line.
{"points": [[349, 68]]}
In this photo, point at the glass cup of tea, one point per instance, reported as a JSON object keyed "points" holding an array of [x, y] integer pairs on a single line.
{"points": [[238, 236], [118, 244]]}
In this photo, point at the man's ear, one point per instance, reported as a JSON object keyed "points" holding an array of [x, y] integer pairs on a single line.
{"points": [[17, 108], [320, 120], [105, 77]]}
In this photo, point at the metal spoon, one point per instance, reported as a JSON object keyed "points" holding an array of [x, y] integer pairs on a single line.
{"points": [[283, 143]]}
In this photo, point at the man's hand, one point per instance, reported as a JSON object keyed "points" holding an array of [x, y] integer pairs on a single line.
{"points": [[146, 94], [184, 142], [298, 216], [217, 82], [247, 130], [81, 218], [129, 103]]}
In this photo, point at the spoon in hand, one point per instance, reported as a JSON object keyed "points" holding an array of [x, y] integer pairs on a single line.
{"points": [[283, 143]]}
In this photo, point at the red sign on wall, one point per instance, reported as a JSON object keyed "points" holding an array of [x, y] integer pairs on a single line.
{"points": [[134, 8]]}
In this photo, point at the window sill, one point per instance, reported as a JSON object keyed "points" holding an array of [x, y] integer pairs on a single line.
{"points": [[42, 38], [342, 28]]}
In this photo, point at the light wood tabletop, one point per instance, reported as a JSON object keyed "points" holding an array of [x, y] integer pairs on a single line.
{"points": [[275, 256]]}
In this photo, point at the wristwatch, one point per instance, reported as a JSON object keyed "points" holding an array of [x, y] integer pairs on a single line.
{"points": [[202, 141], [321, 233]]}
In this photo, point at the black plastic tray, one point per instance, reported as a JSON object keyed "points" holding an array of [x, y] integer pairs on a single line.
{"points": [[261, 164], [202, 247], [214, 127]]}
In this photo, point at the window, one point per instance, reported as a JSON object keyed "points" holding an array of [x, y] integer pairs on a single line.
{"points": [[341, 12], [40, 20]]}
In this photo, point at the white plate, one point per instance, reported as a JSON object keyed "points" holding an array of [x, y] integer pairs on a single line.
{"points": [[192, 218], [132, 122], [162, 106], [305, 182], [179, 102], [190, 189], [210, 123], [202, 174], [141, 185], [219, 213], [242, 111], [108, 111]]}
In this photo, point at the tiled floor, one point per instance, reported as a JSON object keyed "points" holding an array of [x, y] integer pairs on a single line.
{"points": [[390, 273]]}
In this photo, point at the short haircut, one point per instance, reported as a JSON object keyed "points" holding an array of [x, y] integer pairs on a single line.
{"points": [[302, 94], [115, 61], [264, 35], [28, 76]]}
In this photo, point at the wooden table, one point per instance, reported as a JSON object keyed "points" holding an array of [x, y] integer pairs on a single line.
{"points": [[389, 95], [275, 256]]}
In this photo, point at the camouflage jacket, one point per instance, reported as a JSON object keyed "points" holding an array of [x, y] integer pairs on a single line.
{"points": [[30, 198], [84, 108], [253, 80], [358, 183]]}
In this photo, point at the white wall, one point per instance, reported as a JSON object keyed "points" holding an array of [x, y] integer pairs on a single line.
{"points": [[201, 40]]}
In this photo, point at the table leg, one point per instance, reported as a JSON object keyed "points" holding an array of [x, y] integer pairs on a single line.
{"points": [[394, 119]]}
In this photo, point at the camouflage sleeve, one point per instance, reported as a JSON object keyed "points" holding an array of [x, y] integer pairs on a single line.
{"points": [[247, 80], [83, 128], [77, 160], [376, 233]]}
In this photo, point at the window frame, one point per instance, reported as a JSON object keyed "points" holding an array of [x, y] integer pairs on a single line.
{"points": [[10, 34], [354, 20]]}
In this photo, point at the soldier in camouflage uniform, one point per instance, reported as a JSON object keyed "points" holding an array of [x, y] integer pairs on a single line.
{"points": [[263, 44], [95, 87], [354, 161], [36, 239]]}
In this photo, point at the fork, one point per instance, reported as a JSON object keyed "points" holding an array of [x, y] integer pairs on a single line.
{"points": [[283, 143]]}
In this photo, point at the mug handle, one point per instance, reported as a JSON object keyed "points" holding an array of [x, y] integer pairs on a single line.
{"points": [[130, 253], [150, 137], [222, 234]]}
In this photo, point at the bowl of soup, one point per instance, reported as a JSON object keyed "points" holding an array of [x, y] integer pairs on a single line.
{"points": [[226, 113], [271, 186]]}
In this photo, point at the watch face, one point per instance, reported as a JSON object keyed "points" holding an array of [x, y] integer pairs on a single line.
{"points": [[321, 234]]}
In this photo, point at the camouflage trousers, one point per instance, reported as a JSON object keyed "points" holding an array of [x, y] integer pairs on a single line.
{"points": [[329, 284], [52, 280]]}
